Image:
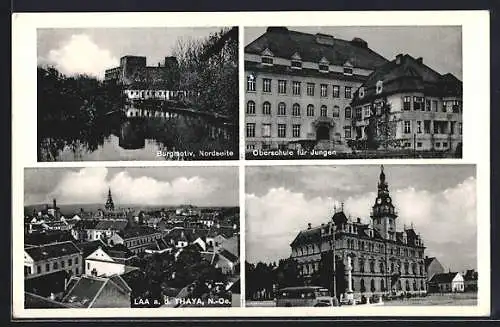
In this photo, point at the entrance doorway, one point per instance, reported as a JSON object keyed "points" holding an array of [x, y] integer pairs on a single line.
{"points": [[322, 133]]}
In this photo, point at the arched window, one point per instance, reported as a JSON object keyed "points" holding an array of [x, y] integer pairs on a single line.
{"points": [[250, 108], [361, 265], [266, 108], [415, 288], [336, 111], [382, 285], [381, 267], [296, 109], [400, 287], [362, 287], [372, 285], [348, 113], [422, 285], [392, 266], [407, 285], [323, 111], [310, 110], [281, 109], [372, 266], [406, 267], [352, 283]]}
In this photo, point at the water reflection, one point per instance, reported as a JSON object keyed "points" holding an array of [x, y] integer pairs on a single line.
{"points": [[140, 139]]}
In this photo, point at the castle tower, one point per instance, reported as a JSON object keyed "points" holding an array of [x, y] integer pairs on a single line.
{"points": [[110, 206], [383, 212]]}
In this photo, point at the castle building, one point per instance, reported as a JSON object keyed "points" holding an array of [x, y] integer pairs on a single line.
{"points": [[299, 87], [411, 105], [376, 256]]}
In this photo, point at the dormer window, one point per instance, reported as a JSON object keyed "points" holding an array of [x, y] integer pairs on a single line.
{"points": [[379, 87], [267, 57], [361, 92], [348, 69], [324, 65], [296, 61]]}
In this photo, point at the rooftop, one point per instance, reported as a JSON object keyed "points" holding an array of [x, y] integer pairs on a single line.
{"points": [[53, 250]]}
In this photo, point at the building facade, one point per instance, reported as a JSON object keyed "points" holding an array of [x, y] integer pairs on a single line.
{"points": [[406, 104], [50, 258], [446, 283], [382, 258], [299, 87]]}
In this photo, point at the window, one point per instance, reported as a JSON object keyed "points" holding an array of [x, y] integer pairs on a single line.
{"points": [[372, 266], [348, 113], [296, 130], [281, 109], [407, 127], [456, 106], [434, 105], [347, 71], [281, 130], [250, 108], [438, 144], [63, 263], [361, 265], [47, 267], [367, 111], [27, 270], [324, 68], [381, 267], [444, 107], [324, 90], [296, 64], [266, 108], [406, 103], [359, 113], [419, 127], [417, 103], [427, 105], [436, 127], [267, 60], [310, 110], [445, 145], [266, 85], [336, 91], [310, 89], [88, 265], [348, 92], [55, 265], [38, 269], [266, 130], [251, 130], [460, 128], [296, 88], [419, 144], [296, 109], [323, 111], [281, 86], [427, 126], [251, 83]]}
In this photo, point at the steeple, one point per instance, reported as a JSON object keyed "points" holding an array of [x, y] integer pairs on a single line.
{"points": [[383, 188], [110, 206]]}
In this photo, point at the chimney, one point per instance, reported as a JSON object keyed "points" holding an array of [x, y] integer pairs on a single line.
{"points": [[399, 59], [309, 226], [54, 203], [420, 60]]}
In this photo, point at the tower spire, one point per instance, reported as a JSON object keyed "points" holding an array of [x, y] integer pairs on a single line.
{"points": [[110, 206]]}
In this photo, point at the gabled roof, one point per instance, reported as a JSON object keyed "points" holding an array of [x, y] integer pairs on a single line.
{"points": [[54, 250], [88, 247], [443, 278], [428, 261], [47, 237], [339, 218], [87, 288], [228, 255], [285, 43], [112, 224], [137, 231], [470, 275], [45, 284]]}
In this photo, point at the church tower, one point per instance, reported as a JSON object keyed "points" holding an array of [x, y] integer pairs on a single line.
{"points": [[383, 213], [110, 206]]}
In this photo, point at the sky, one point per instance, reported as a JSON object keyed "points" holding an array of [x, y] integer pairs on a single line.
{"points": [[440, 201], [201, 186], [439, 46], [93, 50]]}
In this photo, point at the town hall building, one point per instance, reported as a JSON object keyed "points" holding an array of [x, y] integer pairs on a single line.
{"points": [[377, 257]]}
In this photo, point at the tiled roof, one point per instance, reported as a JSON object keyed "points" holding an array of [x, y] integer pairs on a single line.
{"points": [[137, 231], [119, 251], [339, 218], [443, 278], [285, 43], [113, 224], [54, 250], [88, 247], [228, 255], [307, 236], [84, 291], [33, 301], [45, 284], [86, 224], [47, 237], [408, 75], [231, 245]]}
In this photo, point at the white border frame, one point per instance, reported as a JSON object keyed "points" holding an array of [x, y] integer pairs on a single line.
{"points": [[475, 40]]}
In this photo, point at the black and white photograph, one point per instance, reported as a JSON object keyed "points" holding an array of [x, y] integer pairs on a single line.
{"points": [[350, 92], [143, 237], [137, 94], [390, 235]]}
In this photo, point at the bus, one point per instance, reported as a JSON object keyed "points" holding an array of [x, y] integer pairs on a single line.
{"points": [[304, 296]]}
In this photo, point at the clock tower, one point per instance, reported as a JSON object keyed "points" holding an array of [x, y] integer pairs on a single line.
{"points": [[383, 213]]}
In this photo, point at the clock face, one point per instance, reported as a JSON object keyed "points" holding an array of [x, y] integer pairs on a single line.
{"points": [[379, 200]]}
